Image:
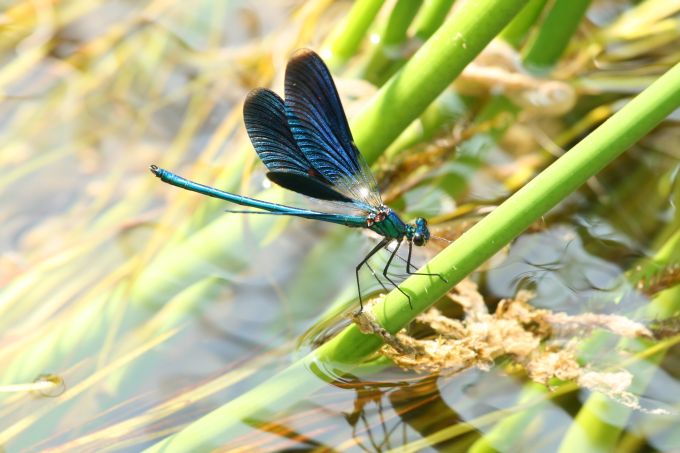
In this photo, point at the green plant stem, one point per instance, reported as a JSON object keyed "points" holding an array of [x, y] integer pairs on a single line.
{"points": [[401, 17], [517, 213], [343, 43], [430, 18], [549, 43], [516, 31], [478, 244], [427, 74], [446, 109], [231, 420], [389, 48], [527, 205]]}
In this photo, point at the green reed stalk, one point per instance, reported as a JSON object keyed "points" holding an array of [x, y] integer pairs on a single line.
{"points": [[430, 18], [392, 38], [427, 74], [549, 43], [477, 245], [518, 212], [516, 31], [344, 42], [446, 109]]}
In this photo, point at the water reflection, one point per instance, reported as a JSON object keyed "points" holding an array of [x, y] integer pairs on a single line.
{"points": [[564, 273]]}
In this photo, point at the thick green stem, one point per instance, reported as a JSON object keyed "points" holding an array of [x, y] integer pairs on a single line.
{"points": [[430, 18], [507, 221], [552, 38], [427, 74], [447, 108], [517, 30], [477, 245], [389, 48], [343, 43]]}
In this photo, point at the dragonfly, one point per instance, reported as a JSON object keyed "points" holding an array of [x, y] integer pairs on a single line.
{"points": [[307, 147]]}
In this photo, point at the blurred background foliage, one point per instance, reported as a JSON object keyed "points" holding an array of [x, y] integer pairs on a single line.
{"points": [[129, 309]]}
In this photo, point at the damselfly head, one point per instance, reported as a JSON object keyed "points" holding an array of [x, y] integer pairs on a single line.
{"points": [[420, 232]]}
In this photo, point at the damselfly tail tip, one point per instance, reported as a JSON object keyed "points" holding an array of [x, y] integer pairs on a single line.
{"points": [[155, 170]]}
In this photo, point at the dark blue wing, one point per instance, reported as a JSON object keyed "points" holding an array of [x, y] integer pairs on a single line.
{"points": [[319, 126], [265, 119]]}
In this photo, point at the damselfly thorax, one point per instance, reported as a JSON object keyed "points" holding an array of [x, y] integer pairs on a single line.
{"points": [[307, 146]]}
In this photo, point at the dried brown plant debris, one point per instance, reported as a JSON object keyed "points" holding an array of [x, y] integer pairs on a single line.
{"points": [[666, 277], [467, 296], [563, 325], [666, 328], [533, 338]]}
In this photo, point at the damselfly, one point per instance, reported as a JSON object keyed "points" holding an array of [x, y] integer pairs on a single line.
{"points": [[306, 144]]}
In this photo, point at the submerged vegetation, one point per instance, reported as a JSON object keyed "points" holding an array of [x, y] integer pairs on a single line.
{"points": [[539, 137]]}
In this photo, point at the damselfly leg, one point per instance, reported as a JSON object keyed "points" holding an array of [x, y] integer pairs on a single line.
{"points": [[409, 265], [368, 265], [387, 266], [373, 251]]}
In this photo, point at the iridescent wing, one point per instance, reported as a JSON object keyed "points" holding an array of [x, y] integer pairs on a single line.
{"points": [[320, 129], [265, 119]]}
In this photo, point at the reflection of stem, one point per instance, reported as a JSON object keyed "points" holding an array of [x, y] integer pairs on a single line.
{"points": [[507, 432], [422, 407], [588, 427]]}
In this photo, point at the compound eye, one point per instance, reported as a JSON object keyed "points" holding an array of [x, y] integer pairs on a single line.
{"points": [[418, 239]]}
